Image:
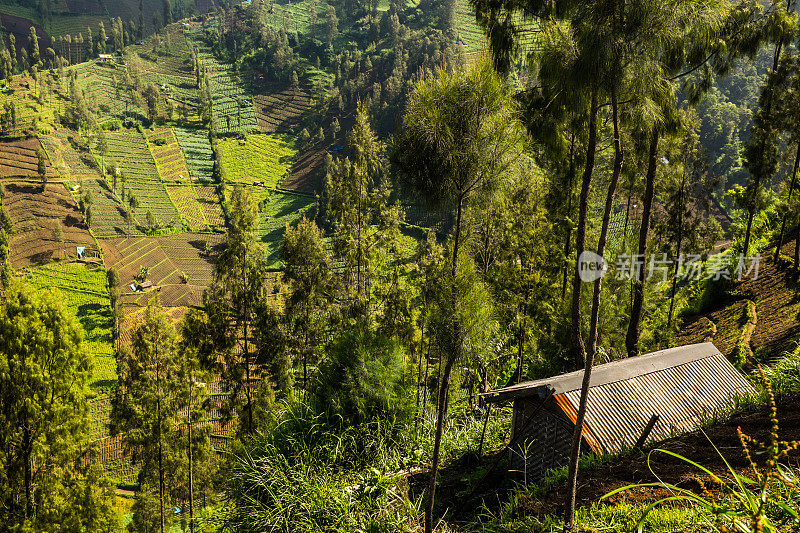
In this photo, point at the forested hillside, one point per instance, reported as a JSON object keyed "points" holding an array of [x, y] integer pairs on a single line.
{"points": [[390, 266]]}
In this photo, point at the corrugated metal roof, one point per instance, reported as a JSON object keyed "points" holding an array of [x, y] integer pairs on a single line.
{"points": [[608, 372], [680, 385]]}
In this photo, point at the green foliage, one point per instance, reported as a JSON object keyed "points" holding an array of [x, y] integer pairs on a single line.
{"points": [[84, 295], [44, 399], [304, 476], [361, 380]]}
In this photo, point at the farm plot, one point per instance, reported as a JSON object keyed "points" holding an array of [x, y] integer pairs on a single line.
{"points": [[70, 157], [23, 94], [276, 211], [186, 200], [167, 154], [232, 106], [180, 265], [128, 151], [281, 108], [84, 292], [105, 90], [18, 158], [47, 224], [265, 157], [197, 152], [212, 210], [295, 16], [108, 214]]}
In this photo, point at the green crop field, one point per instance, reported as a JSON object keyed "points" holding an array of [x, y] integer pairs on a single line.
{"points": [[84, 293], [167, 153], [69, 156], [197, 152], [232, 108], [105, 90], [108, 214], [277, 209], [128, 151], [185, 197], [36, 102], [264, 157]]}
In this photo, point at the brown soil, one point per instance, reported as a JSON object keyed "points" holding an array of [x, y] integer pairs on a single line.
{"points": [[778, 305], [36, 215]]}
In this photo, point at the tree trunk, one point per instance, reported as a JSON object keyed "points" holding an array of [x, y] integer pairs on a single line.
{"points": [[568, 236], [191, 463], [444, 387], [577, 335], [27, 445], [788, 201], [619, 157], [160, 444], [632, 337], [674, 287], [751, 211], [437, 441], [577, 346]]}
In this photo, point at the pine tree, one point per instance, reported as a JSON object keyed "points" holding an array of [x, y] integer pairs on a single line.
{"points": [[33, 54], [101, 39], [167, 12], [147, 410], [89, 44], [307, 272], [44, 419]]}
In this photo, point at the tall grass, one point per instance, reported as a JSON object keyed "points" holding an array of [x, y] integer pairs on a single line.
{"points": [[306, 474]]}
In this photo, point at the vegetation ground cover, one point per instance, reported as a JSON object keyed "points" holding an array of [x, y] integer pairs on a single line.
{"points": [[84, 291], [47, 224], [105, 90], [181, 265], [198, 153], [35, 109], [188, 202], [170, 162], [277, 209], [128, 151], [267, 158], [778, 325], [70, 156], [108, 213]]}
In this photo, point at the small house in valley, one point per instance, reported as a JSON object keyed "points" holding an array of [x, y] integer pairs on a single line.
{"points": [[632, 402]]}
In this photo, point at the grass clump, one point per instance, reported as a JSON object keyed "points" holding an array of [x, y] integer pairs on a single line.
{"points": [[302, 474]]}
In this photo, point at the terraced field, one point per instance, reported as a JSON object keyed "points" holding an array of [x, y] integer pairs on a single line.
{"points": [[264, 157], [129, 151], [23, 94], [70, 159], [232, 107], [212, 210], [47, 225], [18, 159], [197, 152], [178, 264], [105, 90], [84, 293], [277, 209], [186, 200], [281, 108], [168, 155], [108, 214]]}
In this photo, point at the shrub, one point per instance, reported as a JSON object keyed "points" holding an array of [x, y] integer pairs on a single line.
{"points": [[361, 380]]}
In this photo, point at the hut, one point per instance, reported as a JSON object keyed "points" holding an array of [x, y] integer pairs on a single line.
{"points": [[632, 402]]}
